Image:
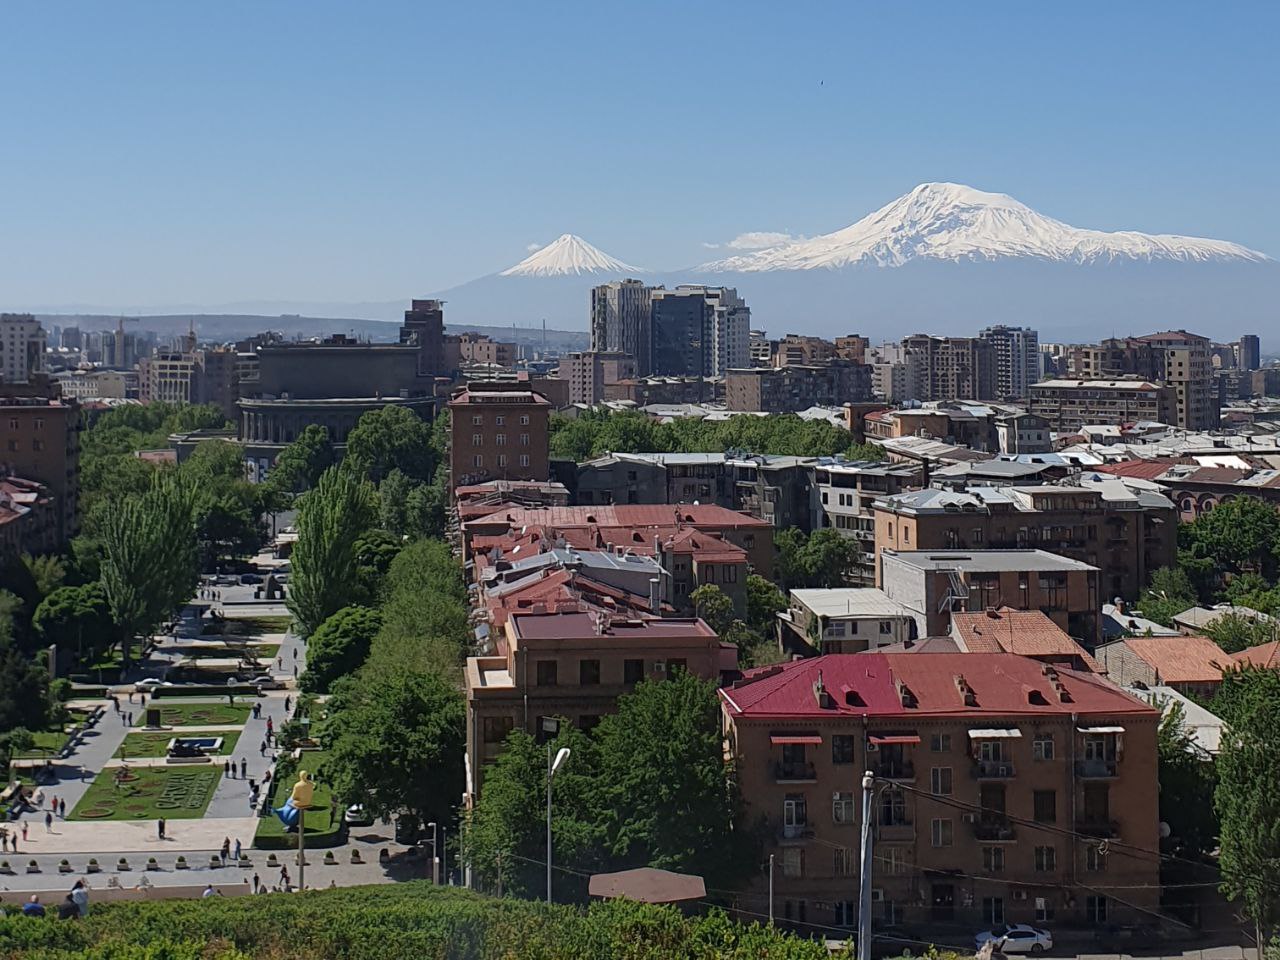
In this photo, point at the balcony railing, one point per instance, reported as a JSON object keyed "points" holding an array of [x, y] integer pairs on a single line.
{"points": [[1097, 827], [1096, 769], [992, 769], [795, 831], [794, 772], [992, 829], [896, 770], [896, 832]]}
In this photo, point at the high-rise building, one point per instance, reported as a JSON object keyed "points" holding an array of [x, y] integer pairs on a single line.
{"points": [[424, 326], [797, 386], [1249, 352], [499, 432], [761, 348], [1017, 359], [22, 344], [620, 321], [590, 371], [1177, 358], [699, 331], [949, 368], [41, 440]]}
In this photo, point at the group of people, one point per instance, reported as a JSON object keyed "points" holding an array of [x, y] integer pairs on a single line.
{"points": [[73, 906]]}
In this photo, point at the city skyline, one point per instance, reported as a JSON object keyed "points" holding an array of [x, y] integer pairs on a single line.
{"points": [[354, 157]]}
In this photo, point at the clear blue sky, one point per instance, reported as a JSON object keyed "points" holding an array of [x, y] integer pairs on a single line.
{"points": [[207, 152]]}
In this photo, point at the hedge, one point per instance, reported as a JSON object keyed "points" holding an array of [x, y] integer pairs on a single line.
{"points": [[413, 921]]}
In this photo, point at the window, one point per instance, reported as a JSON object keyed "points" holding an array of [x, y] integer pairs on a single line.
{"points": [[906, 534], [842, 862], [547, 672], [941, 832], [588, 672], [677, 666], [1095, 861], [792, 861], [1045, 806], [895, 861], [1095, 909], [39, 424], [477, 439], [993, 859], [497, 728], [886, 628], [991, 751], [524, 439], [477, 461], [993, 909], [632, 671], [37, 444], [500, 439], [524, 459], [477, 421], [842, 808], [524, 419], [499, 421], [893, 808], [841, 748], [1046, 859], [846, 913], [940, 781], [730, 574], [13, 423], [502, 459], [1044, 910], [1042, 746], [940, 743], [13, 445]]}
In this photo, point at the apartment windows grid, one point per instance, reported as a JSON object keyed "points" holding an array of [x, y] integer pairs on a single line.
{"points": [[993, 859], [842, 807], [841, 748], [940, 781], [940, 743], [1046, 859], [941, 832], [842, 862]]}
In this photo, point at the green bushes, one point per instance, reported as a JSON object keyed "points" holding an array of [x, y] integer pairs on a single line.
{"points": [[324, 819], [408, 920]]}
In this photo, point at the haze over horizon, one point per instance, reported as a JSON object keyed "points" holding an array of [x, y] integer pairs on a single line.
{"points": [[241, 153]]}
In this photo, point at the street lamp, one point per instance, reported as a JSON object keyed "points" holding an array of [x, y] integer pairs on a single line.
{"points": [[552, 766], [435, 852]]}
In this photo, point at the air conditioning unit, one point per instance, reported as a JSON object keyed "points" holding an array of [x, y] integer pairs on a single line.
{"points": [[970, 818], [877, 895], [1019, 894], [836, 796], [1004, 771], [659, 666], [872, 747]]}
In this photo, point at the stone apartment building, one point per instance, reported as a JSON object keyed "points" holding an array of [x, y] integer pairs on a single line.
{"points": [[841, 495], [998, 780], [22, 346], [574, 664], [591, 371], [499, 431], [933, 584], [843, 620], [1068, 405], [949, 368], [797, 386], [40, 440], [1178, 359], [1127, 533], [478, 348]]}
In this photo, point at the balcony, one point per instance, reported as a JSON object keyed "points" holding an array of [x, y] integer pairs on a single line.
{"points": [[896, 770], [902, 831], [1097, 769], [992, 770], [791, 832], [794, 773], [1096, 827], [991, 829]]}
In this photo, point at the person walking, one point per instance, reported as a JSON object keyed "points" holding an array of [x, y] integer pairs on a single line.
{"points": [[257, 883], [244, 768], [48, 823], [24, 836], [284, 878], [226, 768], [80, 897], [160, 828], [236, 851], [225, 852], [262, 748], [62, 808], [288, 703], [53, 803]]}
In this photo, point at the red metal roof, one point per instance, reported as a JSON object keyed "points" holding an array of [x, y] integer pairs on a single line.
{"points": [[1141, 469], [1263, 655], [1027, 632], [627, 515], [1181, 659]]}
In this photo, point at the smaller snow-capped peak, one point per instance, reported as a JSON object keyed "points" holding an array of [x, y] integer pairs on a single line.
{"points": [[568, 255]]}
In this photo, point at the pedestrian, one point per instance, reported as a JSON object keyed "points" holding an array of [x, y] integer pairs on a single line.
{"points": [[295, 671], [237, 850], [160, 828], [80, 896], [226, 768], [244, 768], [62, 808], [287, 704], [210, 891], [48, 823], [33, 907], [225, 852], [262, 748], [128, 719], [271, 728], [231, 699], [115, 702], [24, 836], [53, 803], [131, 696], [284, 878], [257, 711], [279, 663], [295, 653], [257, 882]]}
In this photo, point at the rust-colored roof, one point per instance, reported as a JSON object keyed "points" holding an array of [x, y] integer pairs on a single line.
{"points": [[1141, 469], [1181, 659], [1029, 633], [1263, 655]]}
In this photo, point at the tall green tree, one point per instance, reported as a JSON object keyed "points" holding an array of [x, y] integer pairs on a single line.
{"points": [[714, 606], [339, 647], [1167, 595], [1240, 535], [392, 438], [1246, 799], [1187, 777], [824, 558], [76, 618], [299, 465], [398, 743], [764, 602], [332, 516]]}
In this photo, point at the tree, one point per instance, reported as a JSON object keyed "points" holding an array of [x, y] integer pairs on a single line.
{"points": [[666, 795], [506, 836], [48, 571], [299, 465], [1168, 594], [764, 602], [1246, 799], [866, 451], [398, 743], [713, 606], [425, 507], [376, 550], [1234, 632], [332, 516], [823, 559], [77, 618], [392, 438], [339, 647], [24, 691], [1240, 535], [1186, 777], [393, 502]]}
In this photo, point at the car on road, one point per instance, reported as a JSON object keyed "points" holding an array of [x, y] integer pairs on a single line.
{"points": [[358, 816], [247, 578], [142, 686], [1015, 938], [267, 683]]}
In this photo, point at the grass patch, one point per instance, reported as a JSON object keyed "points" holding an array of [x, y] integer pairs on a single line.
{"points": [[323, 820], [196, 714], [156, 743], [250, 626], [175, 793], [47, 743]]}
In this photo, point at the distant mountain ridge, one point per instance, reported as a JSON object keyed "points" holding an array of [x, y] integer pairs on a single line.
{"points": [[568, 255]]}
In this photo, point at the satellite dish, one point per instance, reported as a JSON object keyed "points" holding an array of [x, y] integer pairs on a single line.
{"points": [[1165, 830]]}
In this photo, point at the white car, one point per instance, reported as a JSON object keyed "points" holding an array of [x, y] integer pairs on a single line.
{"points": [[1015, 938], [142, 686], [267, 683]]}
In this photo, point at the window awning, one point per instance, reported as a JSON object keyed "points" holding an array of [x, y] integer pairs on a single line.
{"points": [[1101, 729], [811, 739], [880, 739], [1011, 734]]}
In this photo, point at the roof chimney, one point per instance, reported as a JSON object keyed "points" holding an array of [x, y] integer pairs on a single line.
{"points": [[655, 600]]}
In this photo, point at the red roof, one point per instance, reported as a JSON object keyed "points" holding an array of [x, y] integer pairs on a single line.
{"points": [[1027, 632], [1263, 655], [1003, 684], [1141, 469], [1181, 659]]}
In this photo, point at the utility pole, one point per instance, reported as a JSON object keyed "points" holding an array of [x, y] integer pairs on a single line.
{"points": [[771, 889], [864, 874]]}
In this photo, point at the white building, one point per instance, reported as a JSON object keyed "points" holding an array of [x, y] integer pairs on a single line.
{"points": [[22, 345]]}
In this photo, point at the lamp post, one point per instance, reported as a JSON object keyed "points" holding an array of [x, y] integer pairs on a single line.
{"points": [[435, 852], [552, 766]]}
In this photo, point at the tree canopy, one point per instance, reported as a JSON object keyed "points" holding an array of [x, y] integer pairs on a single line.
{"points": [[339, 647]]}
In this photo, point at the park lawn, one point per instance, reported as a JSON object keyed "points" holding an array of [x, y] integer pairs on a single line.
{"points": [[255, 626], [47, 742], [323, 819], [175, 793], [155, 743], [195, 714]]}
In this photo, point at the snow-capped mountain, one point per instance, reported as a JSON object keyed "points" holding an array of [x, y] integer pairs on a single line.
{"points": [[953, 222], [568, 255]]}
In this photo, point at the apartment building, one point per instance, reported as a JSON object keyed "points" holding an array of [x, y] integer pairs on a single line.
{"points": [[1071, 404], [621, 321], [1126, 532], [478, 348], [28, 519], [841, 495], [590, 371], [698, 331], [1017, 359], [565, 662], [1177, 359], [41, 441], [795, 387], [998, 781], [22, 346], [794, 348], [934, 584], [949, 368], [499, 431], [843, 620]]}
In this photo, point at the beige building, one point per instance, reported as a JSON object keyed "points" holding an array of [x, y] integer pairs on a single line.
{"points": [[1068, 405]]}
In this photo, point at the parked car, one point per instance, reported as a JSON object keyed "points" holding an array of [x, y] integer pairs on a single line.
{"points": [[142, 686], [247, 578], [1015, 938], [358, 816], [267, 683]]}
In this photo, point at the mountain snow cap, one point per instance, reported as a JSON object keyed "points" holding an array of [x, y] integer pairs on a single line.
{"points": [[568, 255]]}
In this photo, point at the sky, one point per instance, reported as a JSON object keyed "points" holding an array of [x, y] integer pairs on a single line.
{"points": [[211, 153]]}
